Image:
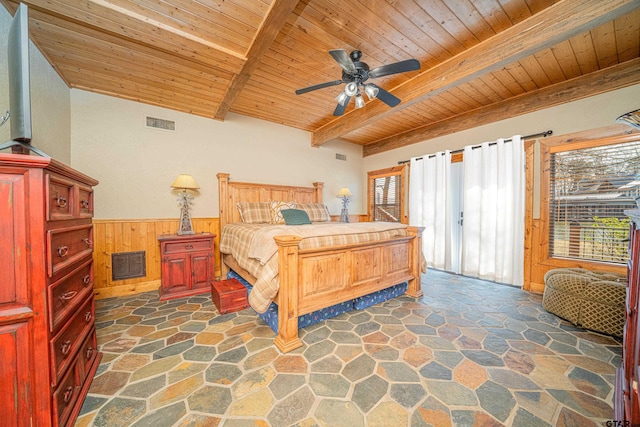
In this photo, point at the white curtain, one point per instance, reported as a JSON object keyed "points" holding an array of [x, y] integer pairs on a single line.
{"points": [[429, 206], [493, 226]]}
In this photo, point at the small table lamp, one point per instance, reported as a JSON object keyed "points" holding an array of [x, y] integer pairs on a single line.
{"points": [[345, 194], [185, 182]]}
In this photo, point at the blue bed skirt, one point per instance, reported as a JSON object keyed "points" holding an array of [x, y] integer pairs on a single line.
{"points": [[270, 317]]}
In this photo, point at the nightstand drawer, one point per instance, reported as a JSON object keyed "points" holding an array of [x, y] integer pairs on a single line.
{"points": [[65, 345], [66, 246], [68, 293], [190, 246]]}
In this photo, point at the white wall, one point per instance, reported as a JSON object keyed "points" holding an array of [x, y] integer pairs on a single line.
{"points": [[136, 165], [590, 113], [50, 101]]}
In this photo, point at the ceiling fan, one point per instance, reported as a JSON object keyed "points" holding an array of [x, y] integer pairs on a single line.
{"points": [[355, 74]]}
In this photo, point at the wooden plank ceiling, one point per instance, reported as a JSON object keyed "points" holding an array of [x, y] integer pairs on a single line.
{"points": [[481, 60]]}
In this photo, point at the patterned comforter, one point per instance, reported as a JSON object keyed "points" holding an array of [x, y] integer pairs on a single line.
{"points": [[254, 249]]}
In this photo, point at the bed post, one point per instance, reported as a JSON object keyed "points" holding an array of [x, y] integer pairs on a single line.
{"points": [[223, 196], [318, 186], [287, 338], [414, 289]]}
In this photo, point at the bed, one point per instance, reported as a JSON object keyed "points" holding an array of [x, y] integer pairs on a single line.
{"points": [[314, 277]]}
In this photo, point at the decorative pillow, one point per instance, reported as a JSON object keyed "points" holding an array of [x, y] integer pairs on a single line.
{"points": [[295, 217], [318, 212], [255, 212], [276, 207]]}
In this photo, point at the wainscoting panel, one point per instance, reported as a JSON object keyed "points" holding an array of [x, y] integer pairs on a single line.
{"points": [[115, 236], [131, 235]]}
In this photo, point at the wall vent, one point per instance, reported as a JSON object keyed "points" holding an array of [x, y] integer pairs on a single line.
{"points": [[156, 123], [341, 156], [127, 265]]}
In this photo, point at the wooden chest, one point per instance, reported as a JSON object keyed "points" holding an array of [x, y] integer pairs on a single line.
{"points": [[229, 295]]}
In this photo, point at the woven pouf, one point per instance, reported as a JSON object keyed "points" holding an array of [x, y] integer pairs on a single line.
{"points": [[563, 293], [603, 307], [593, 300]]}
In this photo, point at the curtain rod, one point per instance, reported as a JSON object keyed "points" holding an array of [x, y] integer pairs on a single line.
{"points": [[534, 135]]}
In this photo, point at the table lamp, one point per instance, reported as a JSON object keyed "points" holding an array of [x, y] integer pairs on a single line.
{"points": [[185, 182], [345, 194]]}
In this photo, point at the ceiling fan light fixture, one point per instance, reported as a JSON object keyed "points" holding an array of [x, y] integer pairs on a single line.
{"points": [[359, 101], [342, 98], [371, 91], [351, 89]]}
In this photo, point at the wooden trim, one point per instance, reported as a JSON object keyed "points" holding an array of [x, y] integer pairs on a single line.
{"points": [[278, 13], [537, 259], [400, 171], [127, 235], [612, 78]]}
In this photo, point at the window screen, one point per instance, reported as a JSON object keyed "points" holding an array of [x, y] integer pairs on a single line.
{"points": [[590, 190]]}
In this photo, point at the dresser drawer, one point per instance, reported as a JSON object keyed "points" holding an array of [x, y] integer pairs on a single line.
{"points": [[85, 202], [193, 245], [66, 294], [66, 246], [65, 345], [65, 395], [87, 354], [60, 198]]}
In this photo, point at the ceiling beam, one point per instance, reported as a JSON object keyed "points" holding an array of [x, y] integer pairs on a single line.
{"points": [[608, 79], [267, 33], [557, 23]]}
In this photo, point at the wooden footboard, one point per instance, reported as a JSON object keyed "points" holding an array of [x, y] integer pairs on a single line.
{"points": [[312, 279]]}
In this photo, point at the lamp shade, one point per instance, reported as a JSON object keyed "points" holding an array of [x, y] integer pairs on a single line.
{"points": [[344, 192], [185, 181]]}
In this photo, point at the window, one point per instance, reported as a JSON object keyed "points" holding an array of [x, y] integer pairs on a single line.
{"points": [[590, 188], [386, 194]]}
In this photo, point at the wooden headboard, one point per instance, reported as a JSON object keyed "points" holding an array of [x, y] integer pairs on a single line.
{"points": [[232, 193]]}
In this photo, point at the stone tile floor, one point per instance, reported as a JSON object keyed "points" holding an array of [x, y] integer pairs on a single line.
{"points": [[468, 353]]}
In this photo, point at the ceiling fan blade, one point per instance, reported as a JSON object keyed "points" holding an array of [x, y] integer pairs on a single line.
{"points": [[343, 59], [318, 86], [395, 68], [386, 97], [341, 107]]}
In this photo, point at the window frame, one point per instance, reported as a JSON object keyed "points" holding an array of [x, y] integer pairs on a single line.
{"points": [[543, 246], [399, 171]]}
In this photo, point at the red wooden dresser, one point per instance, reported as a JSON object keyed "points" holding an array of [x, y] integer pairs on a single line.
{"points": [[47, 334]]}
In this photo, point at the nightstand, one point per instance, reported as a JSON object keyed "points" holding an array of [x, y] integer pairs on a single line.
{"points": [[188, 264]]}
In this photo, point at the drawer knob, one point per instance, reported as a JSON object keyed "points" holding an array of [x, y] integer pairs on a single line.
{"points": [[61, 201], [87, 316], [63, 251], [68, 394], [89, 353], [86, 280], [188, 246], [67, 296], [65, 348], [84, 204], [87, 241]]}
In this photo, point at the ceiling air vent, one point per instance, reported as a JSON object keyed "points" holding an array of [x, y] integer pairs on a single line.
{"points": [[154, 122], [341, 156]]}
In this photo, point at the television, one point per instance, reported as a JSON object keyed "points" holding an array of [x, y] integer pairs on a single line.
{"points": [[18, 68]]}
